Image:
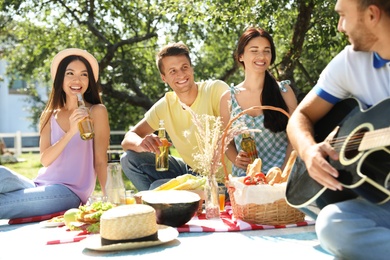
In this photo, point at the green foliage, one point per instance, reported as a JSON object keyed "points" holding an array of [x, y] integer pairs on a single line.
{"points": [[125, 35]]}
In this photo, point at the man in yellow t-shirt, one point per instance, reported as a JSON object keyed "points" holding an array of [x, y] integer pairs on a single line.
{"points": [[140, 143]]}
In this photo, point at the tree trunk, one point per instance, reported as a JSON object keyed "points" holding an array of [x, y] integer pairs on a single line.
{"points": [[302, 25]]}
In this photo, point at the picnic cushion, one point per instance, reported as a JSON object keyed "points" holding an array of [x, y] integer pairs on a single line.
{"points": [[34, 218]]}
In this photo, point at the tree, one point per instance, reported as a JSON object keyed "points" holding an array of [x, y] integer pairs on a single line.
{"points": [[125, 35]]}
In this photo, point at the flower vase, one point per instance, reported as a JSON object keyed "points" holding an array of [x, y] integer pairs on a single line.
{"points": [[211, 197]]}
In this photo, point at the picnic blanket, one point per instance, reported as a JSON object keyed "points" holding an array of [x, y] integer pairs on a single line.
{"points": [[34, 218], [228, 223], [199, 223]]}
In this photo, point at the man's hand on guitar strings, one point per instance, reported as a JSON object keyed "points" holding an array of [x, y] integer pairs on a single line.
{"points": [[330, 138], [319, 168]]}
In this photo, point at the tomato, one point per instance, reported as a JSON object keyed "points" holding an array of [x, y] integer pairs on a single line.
{"points": [[259, 178], [249, 181]]}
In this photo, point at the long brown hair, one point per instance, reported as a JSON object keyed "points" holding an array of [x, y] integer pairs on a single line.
{"points": [[270, 96], [57, 97]]}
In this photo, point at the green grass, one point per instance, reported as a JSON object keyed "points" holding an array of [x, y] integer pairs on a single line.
{"points": [[31, 165], [28, 168]]}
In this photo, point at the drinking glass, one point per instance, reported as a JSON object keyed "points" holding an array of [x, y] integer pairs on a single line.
{"points": [[222, 197]]}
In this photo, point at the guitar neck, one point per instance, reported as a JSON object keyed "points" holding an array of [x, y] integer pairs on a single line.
{"points": [[375, 139]]}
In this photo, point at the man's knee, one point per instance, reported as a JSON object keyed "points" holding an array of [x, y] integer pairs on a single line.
{"points": [[127, 158], [330, 230]]}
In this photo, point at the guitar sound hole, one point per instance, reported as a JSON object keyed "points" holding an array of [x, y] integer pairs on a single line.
{"points": [[353, 143]]}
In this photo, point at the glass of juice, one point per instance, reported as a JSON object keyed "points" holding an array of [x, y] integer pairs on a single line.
{"points": [[222, 197], [128, 198]]}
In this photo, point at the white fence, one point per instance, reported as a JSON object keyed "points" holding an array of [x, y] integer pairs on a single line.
{"points": [[19, 141]]}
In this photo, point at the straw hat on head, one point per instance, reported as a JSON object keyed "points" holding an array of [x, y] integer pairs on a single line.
{"points": [[130, 227], [77, 52]]}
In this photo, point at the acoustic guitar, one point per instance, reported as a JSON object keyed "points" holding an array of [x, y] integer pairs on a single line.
{"points": [[363, 143]]}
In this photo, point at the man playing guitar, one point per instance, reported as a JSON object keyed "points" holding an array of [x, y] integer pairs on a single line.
{"points": [[355, 228]]}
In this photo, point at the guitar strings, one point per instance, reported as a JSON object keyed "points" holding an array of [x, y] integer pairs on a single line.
{"points": [[353, 143], [375, 138]]}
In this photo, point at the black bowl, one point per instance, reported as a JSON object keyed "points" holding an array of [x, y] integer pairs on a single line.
{"points": [[173, 207]]}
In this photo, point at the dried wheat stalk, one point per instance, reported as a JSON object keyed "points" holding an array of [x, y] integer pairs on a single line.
{"points": [[213, 142]]}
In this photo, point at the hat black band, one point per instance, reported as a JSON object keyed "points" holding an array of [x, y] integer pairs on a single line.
{"points": [[106, 242]]}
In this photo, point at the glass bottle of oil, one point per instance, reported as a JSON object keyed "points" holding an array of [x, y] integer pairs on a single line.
{"points": [[249, 146], [85, 125], [162, 158]]}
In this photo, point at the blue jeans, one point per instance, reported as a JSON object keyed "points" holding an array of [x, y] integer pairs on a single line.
{"points": [[140, 168], [355, 229], [19, 197]]}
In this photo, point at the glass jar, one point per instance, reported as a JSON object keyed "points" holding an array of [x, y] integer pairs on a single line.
{"points": [[115, 188], [211, 197]]}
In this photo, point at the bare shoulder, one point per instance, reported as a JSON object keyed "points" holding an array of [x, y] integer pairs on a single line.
{"points": [[99, 113], [98, 108], [226, 95], [285, 86], [285, 89]]}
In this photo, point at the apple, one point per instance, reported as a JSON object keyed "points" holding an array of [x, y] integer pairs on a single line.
{"points": [[71, 216]]}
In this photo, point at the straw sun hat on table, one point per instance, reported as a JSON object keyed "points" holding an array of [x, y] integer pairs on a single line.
{"points": [[129, 227]]}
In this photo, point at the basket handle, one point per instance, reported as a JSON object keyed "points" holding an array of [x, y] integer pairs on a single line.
{"points": [[234, 119]]}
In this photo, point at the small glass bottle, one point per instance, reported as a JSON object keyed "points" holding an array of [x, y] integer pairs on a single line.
{"points": [[162, 158], [248, 145], [85, 125], [115, 187]]}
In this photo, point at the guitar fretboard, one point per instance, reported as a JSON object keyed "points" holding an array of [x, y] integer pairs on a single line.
{"points": [[375, 139]]}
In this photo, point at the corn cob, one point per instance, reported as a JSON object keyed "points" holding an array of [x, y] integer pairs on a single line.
{"points": [[191, 184], [171, 184]]}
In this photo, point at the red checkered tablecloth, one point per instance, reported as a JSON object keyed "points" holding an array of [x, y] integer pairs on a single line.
{"points": [[227, 223]]}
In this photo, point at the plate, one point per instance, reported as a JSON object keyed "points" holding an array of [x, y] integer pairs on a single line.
{"points": [[50, 223]]}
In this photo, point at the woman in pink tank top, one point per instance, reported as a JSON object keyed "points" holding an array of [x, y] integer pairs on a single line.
{"points": [[70, 164]]}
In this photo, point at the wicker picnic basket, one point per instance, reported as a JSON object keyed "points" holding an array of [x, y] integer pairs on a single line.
{"points": [[259, 204]]}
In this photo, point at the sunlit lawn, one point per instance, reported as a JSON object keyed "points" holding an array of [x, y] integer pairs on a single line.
{"points": [[29, 168]]}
